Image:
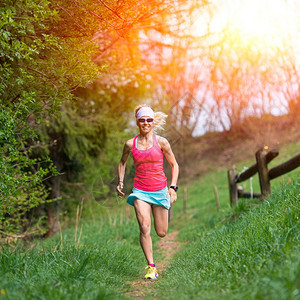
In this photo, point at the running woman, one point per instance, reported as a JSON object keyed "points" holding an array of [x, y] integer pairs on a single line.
{"points": [[150, 191]]}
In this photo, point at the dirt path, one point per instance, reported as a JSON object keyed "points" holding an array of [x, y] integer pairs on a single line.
{"points": [[167, 247]]}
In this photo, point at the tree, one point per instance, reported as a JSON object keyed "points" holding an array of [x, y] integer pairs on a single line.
{"points": [[39, 70], [49, 50], [230, 75]]}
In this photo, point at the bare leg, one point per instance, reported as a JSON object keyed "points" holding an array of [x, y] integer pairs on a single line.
{"points": [[143, 215], [160, 215]]}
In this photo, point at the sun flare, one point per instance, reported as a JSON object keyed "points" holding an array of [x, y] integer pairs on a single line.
{"points": [[271, 21], [267, 23]]}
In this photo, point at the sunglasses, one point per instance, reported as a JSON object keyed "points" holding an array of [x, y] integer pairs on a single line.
{"points": [[150, 120]]}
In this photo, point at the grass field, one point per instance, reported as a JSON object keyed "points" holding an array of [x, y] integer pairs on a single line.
{"points": [[249, 252]]}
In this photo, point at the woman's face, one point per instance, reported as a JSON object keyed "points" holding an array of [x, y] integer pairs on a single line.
{"points": [[143, 124]]}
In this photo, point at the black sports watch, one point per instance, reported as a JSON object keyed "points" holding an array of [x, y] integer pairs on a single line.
{"points": [[174, 187]]}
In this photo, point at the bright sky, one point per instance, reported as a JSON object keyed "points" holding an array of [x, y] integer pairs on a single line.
{"points": [[266, 22]]}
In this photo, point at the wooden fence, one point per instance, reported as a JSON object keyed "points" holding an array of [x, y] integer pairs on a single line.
{"points": [[263, 157]]}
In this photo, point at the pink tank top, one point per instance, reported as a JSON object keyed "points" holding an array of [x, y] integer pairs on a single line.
{"points": [[149, 173]]}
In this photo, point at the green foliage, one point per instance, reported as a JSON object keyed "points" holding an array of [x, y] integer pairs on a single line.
{"points": [[21, 186], [50, 52], [38, 71], [47, 50]]}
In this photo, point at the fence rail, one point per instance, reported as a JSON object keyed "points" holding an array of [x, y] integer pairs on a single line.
{"points": [[263, 157]]}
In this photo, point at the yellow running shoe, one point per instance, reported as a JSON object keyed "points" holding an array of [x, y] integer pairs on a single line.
{"points": [[151, 273]]}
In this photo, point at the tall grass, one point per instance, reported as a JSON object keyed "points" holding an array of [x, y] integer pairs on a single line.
{"points": [[254, 257], [96, 266]]}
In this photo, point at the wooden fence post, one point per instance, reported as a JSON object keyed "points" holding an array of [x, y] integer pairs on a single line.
{"points": [[263, 171], [217, 197], [233, 193]]}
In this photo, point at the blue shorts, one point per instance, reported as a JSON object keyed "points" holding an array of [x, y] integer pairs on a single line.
{"points": [[160, 197]]}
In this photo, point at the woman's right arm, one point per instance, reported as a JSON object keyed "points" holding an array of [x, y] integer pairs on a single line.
{"points": [[122, 165]]}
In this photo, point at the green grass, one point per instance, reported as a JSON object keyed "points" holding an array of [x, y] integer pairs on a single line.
{"points": [[254, 257], [96, 266], [248, 252]]}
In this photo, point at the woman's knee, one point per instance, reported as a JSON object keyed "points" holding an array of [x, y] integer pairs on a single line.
{"points": [[145, 229], [161, 233]]}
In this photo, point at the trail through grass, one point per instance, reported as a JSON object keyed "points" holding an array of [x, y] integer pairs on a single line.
{"points": [[167, 247]]}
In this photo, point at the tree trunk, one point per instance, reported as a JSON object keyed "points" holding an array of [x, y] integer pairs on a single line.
{"points": [[53, 208]]}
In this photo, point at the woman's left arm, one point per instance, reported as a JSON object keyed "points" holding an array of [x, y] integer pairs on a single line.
{"points": [[167, 150]]}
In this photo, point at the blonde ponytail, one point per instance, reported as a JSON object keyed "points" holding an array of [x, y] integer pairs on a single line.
{"points": [[159, 120]]}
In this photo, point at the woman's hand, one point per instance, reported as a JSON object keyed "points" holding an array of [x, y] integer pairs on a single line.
{"points": [[119, 189], [173, 195]]}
